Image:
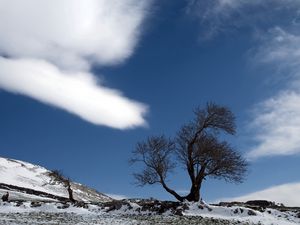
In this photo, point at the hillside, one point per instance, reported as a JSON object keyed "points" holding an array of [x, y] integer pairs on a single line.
{"points": [[37, 198], [27, 181]]}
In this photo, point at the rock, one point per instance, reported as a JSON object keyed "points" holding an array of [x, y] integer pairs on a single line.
{"points": [[251, 213], [5, 197], [200, 206], [63, 206], [115, 205], [238, 210], [19, 203], [230, 204], [185, 206], [260, 203], [178, 212], [81, 205], [35, 204]]}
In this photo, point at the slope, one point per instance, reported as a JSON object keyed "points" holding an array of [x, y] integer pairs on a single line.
{"points": [[25, 180]]}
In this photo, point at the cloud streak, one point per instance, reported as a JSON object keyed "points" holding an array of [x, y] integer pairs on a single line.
{"points": [[276, 126], [220, 16], [285, 193], [275, 122], [49, 47], [79, 93]]}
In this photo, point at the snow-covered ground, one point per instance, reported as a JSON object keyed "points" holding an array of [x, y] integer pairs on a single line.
{"points": [[27, 175], [92, 207], [65, 213], [268, 217]]}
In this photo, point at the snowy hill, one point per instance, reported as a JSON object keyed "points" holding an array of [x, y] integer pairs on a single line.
{"points": [[36, 197], [26, 181], [137, 212]]}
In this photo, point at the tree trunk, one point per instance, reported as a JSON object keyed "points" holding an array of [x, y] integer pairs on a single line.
{"points": [[70, 191], [194, 195]]}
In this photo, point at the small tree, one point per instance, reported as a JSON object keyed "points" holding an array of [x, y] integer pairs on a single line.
{"points": [[198, 148], [57, 176]]}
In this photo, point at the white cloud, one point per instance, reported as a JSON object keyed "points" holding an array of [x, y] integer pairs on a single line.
{"points": [[288, 194], [78, 93], [276, 123], [280, 47], [221, 16], [277, 126], [71, 32], [49, 46]]}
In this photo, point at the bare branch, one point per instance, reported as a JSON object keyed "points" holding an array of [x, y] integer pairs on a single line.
{"points": [[155, 153], [197, 148]]}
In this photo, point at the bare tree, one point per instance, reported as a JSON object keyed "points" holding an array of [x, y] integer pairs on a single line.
{"points": [[57, 176], [198, 148]]}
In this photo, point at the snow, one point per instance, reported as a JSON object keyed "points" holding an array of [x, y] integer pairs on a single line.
{"points": [[269, 217], [55, 213], [27, 175], [26, 208], [16, 195]]}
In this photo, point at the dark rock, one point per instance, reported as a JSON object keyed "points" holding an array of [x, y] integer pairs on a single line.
{"points": [[178, 212], [19, 203], [238, 210], [63, 206], [5, 197], [35, 204], [185, 207], [167, 205], [81, 204], [115, 205], [256, 208], [138, 210], [251, 213], [200, 207], [260, 203], [229, 204]]}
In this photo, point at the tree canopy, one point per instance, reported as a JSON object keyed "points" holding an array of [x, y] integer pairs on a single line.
{"points": [[198, 147]]}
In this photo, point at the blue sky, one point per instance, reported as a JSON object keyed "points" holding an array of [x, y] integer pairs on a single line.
{"points": [[78, 98]]}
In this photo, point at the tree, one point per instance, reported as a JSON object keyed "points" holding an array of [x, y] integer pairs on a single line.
{"points": [[198, 147], [57, 176]]}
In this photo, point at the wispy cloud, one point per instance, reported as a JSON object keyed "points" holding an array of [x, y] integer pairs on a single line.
{"points": [[285, 193], [275, 123], [50, 47], [221, 16], [276, 126], [280, 47]]}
